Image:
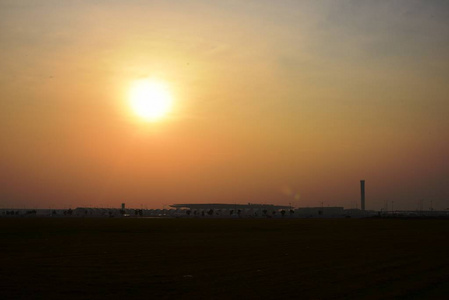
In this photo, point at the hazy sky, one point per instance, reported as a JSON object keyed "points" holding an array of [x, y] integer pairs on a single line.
{"points": [[274, 102]]}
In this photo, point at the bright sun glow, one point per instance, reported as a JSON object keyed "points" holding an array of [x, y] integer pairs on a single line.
{"points": [[150, 99]]}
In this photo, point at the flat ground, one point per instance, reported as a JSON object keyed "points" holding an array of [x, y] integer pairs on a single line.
{"points": [[223, 258]]}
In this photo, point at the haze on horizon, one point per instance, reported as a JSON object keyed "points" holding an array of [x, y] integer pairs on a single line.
{"points": [[273, 102]]}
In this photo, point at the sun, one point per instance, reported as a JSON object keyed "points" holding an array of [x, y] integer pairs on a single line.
{"points": [[150, 99]]}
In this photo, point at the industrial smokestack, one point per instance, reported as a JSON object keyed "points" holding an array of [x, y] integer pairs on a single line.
{"points": [[362, 194]]}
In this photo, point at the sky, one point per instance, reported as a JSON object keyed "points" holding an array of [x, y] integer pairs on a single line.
{"points": [[273, 102]]}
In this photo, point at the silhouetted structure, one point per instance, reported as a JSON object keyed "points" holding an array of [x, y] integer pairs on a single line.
{"points": [[230, 206], [362, 192]]}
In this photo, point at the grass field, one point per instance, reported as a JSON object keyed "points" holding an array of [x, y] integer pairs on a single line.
{"points": [[223, 258]]}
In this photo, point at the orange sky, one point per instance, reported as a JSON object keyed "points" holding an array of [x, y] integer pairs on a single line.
{"points": [[287, 104]]}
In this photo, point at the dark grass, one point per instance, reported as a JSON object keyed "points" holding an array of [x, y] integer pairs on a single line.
{"points": [[223, 258]]}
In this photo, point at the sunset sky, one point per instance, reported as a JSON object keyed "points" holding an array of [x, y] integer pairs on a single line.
{"points": [[272, 102]]}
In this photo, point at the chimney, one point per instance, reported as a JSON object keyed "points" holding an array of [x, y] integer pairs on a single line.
{"points": [[362, 194]]}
